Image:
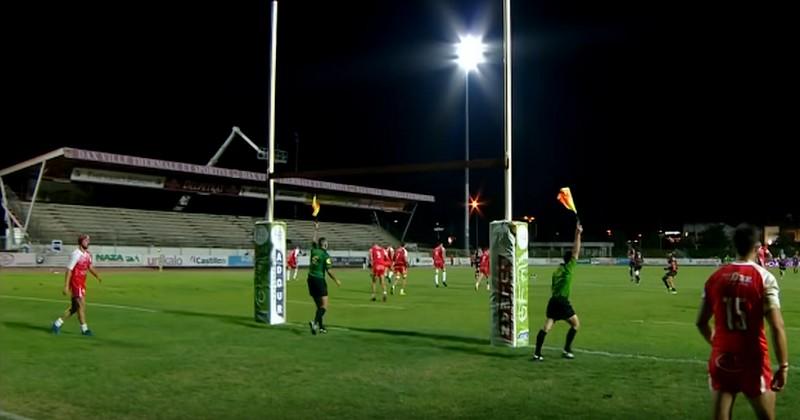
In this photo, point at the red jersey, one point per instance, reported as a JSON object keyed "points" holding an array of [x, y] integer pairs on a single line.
{"points": [[401, 257], [763, 252], [291, 260], [438, 253], [484, 262], [378, 256], [79, 263], [390, 253], [672, 264], [739, 294]]}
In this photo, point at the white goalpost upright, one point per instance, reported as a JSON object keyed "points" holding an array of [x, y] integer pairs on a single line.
{"points": [[508, 241], [269, 236]]}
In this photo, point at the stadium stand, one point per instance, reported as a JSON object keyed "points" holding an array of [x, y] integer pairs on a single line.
{"points": [[113, 226]]}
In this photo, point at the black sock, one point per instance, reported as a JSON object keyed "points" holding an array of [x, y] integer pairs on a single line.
{"points": [[318, 317], [539, 342], [570, 336], [665, 282]]}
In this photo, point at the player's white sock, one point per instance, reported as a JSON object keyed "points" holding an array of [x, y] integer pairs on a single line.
{"points": [[59, 322], [436, 278], [444, 277], [84, 327]]}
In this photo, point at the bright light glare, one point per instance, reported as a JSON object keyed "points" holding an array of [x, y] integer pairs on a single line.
{"points": [[470, 52]]}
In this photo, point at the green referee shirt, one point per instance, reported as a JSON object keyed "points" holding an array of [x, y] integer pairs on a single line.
{"points": [[562, 279], [320, 262]]}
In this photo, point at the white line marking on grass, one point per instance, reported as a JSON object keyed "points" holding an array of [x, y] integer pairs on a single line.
{"points": [[354, 305], [633, 356], [6, 415], [104, 305]]}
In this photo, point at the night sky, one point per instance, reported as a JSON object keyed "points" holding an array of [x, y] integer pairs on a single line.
{"points": [[654, 113]]}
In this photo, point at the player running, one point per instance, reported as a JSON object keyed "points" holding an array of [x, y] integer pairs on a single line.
{"points": [[401, 268], [75, 285], [483, 270], [631, 262], [439, 254], [796, 261], [782, 266], [638, 262], [379, 262], [739, 296], [671, 272]]}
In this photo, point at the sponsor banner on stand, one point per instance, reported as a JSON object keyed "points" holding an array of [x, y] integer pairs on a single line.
{"points": [[118, 260]]}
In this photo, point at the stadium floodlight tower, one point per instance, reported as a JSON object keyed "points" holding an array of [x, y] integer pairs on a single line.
{"points": [[508, 238], [469, 53]]}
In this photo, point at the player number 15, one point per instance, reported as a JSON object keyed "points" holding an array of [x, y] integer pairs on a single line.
{"points": [[736, 318]]}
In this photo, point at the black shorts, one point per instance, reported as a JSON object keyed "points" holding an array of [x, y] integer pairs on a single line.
{"points": [[637, 267], [317, 287], [672, 274], [559, 309]]}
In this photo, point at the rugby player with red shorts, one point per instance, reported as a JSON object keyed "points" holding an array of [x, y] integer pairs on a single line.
{"points": [[439, 255], [739, 296], [379, 262], [401, 268], [75, 285]]}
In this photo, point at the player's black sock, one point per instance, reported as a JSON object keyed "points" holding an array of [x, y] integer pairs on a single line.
{"points": [[318, 317], [539, 342], [664, 279], [570, 336], [637, 278]]}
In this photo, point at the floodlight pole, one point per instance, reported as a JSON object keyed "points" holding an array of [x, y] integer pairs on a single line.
{"points": [[271, 148], [466, 169], [507, 104]]}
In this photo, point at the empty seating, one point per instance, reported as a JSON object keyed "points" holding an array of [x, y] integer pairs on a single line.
{"points": [[130, 227]]}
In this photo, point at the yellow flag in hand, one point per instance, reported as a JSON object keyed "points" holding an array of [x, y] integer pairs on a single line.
{"points": [[314, 206], [565, 197]]}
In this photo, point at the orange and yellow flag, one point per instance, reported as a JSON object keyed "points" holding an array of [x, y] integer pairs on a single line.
{"points": [[314, 206], [565, 197]]}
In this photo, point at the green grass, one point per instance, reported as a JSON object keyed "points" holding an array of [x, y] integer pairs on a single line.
{"points": [[425, 355]]}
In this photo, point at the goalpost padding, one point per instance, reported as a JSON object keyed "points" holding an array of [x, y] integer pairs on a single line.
{"points": [[508, 247], [270, 272]]}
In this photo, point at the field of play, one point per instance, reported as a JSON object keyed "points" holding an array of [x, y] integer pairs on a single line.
{"points": [[183, 344]]}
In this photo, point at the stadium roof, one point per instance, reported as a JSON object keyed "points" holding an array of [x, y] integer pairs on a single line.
{"points": [[100, 167]]}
